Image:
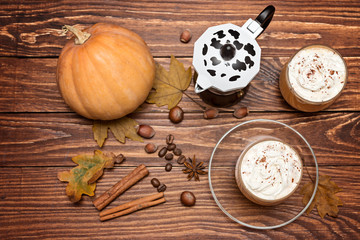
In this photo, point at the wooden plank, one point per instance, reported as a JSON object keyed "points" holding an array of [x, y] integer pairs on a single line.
{"points": [[33, 203], [7, 33], [52, 139], [39, 134], [25, 87], [32, 28], [29, 85]]}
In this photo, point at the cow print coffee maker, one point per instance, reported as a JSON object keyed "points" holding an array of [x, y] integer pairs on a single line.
{"points": [[226, 58]]}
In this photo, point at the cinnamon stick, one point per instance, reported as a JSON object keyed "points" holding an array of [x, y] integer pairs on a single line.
{"points": [[125, 183], [132, 203], [133, 209]]}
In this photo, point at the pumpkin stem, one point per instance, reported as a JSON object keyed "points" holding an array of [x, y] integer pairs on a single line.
{"points": [[80, 37]]}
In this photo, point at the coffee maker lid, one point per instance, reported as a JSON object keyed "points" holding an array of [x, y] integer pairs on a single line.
{"points": [[227, 57]]}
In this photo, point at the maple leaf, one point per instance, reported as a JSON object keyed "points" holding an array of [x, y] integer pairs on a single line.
{"points": [[170, 85], [325, 199], [82, 178], [121, 128]]}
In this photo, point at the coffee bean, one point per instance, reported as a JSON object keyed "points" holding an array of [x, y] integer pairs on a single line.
{"points": [[169, 139], [145, 131], [155, 182], [150, 148], [162, 152], [176, 114], [187, 198], [168, 167], [177, 151], [169, 156], [161, 188], [181, 159], [171, 147]]}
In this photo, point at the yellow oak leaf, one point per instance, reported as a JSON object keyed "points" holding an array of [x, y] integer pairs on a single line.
{"points": [[121, 128], [81, 179], [170, 85], [325, 199]]}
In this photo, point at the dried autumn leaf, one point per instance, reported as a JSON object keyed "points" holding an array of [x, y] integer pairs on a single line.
{"points": [[121, 128], [170, 85], [82, 178], [325, 199]]}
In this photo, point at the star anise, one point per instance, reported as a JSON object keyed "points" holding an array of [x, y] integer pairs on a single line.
{"points": [[193, 169]]}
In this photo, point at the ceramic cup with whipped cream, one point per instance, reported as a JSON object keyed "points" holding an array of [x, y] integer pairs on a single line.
{"points": [[313, 78], [268, 171]]}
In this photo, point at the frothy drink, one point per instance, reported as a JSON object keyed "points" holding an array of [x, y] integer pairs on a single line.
{"points": [[313, 78], [268, 172]]}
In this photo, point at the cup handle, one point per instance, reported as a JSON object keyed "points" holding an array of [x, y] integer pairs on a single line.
{"points": [[264, 18]]}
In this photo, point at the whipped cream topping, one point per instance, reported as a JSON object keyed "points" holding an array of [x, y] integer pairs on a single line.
{"points": [[317, 73], [270, 169]]}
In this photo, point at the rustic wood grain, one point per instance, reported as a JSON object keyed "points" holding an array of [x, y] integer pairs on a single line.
{"points": [[32, 28], [33, 205], [39, 134], [29, 85], [52, 139]]}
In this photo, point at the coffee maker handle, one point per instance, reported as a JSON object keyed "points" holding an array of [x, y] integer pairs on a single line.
{"points": [[264, 18], [257, 26]]}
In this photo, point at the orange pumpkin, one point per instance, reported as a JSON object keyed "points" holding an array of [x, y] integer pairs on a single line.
{"points": [[105, 72]]}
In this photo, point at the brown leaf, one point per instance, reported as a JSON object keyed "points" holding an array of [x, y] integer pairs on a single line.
{"points": [[81, 179], [121, 128], [169, 86], [325, 199]]}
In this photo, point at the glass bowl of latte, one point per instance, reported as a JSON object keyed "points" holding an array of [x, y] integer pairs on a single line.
{"points": [[256, 173]]}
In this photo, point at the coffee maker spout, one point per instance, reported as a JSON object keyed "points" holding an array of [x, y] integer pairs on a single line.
{"points": [[202, 83]]}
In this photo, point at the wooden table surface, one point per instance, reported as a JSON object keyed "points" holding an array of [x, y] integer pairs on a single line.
{"points": [[39, 134]]}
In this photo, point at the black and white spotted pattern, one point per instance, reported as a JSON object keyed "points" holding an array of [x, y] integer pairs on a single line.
{"points": [[221, 70], [238, 64]]}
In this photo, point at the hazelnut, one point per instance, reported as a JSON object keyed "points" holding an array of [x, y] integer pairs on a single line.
{"points": [[145, 131], [241, 112], [176, 114], [185, 36], [188, 198], [211, 113], [150, 148]]}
